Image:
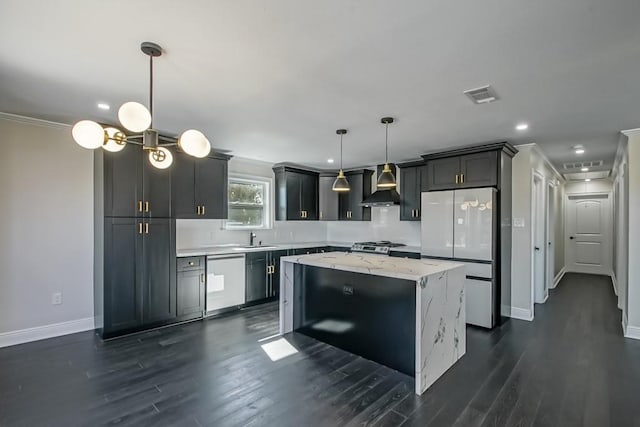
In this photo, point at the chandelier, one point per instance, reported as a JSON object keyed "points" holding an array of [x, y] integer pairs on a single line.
{"points": [[138, 120]]}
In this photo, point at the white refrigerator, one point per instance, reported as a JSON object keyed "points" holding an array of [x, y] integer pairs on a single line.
{"points": [[459, 225]]}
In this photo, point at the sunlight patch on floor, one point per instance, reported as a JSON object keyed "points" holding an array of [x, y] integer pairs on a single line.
{"points": [[278, 349]]}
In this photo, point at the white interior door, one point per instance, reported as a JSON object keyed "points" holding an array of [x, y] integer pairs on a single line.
{"points": [[539, 241], [550, 233], [589, 228]]}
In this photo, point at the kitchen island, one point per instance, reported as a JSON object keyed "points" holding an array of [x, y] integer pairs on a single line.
{"points": [[407, 314]]}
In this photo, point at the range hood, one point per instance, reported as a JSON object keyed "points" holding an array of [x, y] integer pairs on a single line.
{"points": [[387, 197]]}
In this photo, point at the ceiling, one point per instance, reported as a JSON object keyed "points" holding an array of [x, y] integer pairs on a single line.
{"points": [[272, 80]]}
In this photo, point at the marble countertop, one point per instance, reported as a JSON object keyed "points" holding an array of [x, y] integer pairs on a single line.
{"points": [[240, 249], [379, 265]]}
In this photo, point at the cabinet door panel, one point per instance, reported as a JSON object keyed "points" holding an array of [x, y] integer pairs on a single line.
{"points": [[122, 277], [191, 292], [274, 260], [256, 277], [211, 187], [159, 278], [156, 187], [294, 203], [356, 181], [328, 199], [410, 194], [309, 196], [437, 227], [441, 173], [183, 186], [479, 170], [473, 223], [123, 182]]}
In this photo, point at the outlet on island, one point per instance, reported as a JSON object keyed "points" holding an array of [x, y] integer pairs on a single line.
{"points": [[56, 298]]}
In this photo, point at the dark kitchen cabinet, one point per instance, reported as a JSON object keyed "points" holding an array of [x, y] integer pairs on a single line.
{"points": [[135, 284], [273, 279], [191, 287], [200, 186], [296, 194], [349, 203], [256, 276], [477, 169], [411, 177], [328, 199], [131, 186]]}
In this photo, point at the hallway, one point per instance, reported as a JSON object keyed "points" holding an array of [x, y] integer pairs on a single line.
{"points": [[570, 367]]}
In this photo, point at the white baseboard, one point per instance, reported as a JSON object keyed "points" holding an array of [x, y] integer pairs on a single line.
{"points": [[47, 331], [558, 277], [521, 314], [632, 332]]}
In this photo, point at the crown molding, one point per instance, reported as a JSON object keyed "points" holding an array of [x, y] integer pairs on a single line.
{"points": [[33, 121], [545, 159], [631, 132]]}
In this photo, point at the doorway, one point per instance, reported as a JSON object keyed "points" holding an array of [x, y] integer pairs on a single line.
{"points": [[550, 236], [539, 229], [588, 224]]}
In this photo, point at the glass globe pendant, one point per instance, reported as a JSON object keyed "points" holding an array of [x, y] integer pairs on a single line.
{"points": [[341, 184], [88, 134], [134, 116], [161, 158], [194, 143], [116, 142]]}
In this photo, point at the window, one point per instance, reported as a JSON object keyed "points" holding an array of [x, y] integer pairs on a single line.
{"points": [[249, 201]]}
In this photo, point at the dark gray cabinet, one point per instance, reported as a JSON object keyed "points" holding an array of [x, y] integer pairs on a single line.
{"points": [[256, 276], [200, 186], [191, 287], [411, 177], [135, 277], [132, 187], [478, 169], [296, 194], [273, 269], [328, 199], [349, 203]]}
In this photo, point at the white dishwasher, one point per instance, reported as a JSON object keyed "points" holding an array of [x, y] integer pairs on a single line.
{"points": [[225, 281]]}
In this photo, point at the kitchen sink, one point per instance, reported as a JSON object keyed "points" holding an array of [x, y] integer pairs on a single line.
{"points": [[254, 247]]}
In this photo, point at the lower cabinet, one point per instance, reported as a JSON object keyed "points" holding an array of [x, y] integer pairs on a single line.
{"points": [[273, 279], [256, 276], [135, 284], [191, 287]]}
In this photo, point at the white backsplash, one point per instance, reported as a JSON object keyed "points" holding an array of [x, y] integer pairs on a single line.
{"points": [[385, 224]]}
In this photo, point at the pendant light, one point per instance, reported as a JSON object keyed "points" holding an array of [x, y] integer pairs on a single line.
{"points": [[386, 179], [136, 118], [341, 184]]}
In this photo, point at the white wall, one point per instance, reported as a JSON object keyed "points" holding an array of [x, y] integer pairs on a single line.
{"points": [[593, 186], [46, 228], [528, 160]]}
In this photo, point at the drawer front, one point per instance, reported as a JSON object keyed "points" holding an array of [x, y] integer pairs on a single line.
{"points": [[478, 302], [478, 270], [190, 263]]}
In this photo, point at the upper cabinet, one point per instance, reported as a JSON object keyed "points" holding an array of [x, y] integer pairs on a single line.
{"points": [[349, 203], [328, 198], [296, 194], [468, 167], [130, 186], [200, 186], [411, 185]]}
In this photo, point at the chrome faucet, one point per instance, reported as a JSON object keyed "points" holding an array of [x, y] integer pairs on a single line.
{"points": [[252, 236]]}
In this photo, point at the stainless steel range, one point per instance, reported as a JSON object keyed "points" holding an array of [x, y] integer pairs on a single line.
{"points": [[382, 247]]}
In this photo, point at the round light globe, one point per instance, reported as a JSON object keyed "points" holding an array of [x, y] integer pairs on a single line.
{"points": [[88, 134], [111, 144], [161, 158], [194, 143], [134, 116]]}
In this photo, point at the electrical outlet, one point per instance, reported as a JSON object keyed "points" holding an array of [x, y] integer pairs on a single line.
{"points": [[56, 298]]}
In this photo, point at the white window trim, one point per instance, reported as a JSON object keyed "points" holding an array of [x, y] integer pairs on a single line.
{"points": [[268, 197]]}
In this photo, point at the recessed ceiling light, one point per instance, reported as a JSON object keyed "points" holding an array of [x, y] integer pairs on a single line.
{"points": [[329, 160], [585, 169], [588, 179], [579, 150], [522, 126], [103, 106]]}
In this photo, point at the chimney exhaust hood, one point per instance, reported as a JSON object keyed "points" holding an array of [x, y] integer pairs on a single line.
{"points": [[386, 197]]}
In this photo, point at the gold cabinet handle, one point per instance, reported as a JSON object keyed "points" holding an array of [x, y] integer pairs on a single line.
{"points": [[146, 228], [202, 278], [461, 178], [203, 209], [140, 228], [198, 209], [146, 206], [456, 179], [320, 215], [417, 213], [139, 205]]}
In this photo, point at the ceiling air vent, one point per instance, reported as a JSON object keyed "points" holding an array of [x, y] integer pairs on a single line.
{"points": [[580, 165], [482, 95]]}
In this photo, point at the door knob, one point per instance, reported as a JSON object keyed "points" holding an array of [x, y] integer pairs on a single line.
{"points": [[571, 237], [537, 248]]}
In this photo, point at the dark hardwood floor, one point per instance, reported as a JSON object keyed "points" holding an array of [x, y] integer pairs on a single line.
{"points": [[570, 367]]}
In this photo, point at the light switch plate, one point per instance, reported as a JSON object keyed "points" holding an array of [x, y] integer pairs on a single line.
{"points": [[56, 298], [518, 222]]}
